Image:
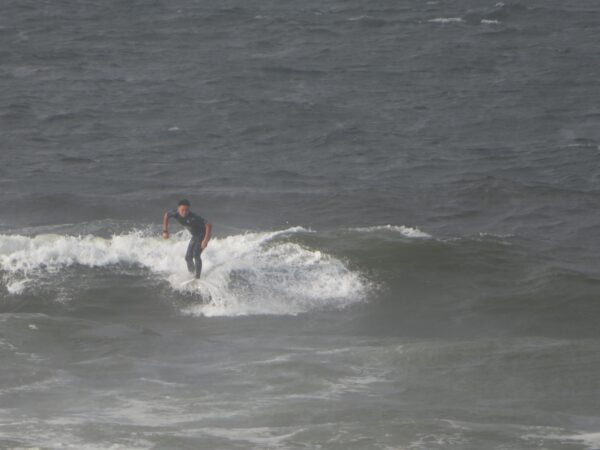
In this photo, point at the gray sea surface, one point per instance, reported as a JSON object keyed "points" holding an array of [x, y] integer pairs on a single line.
{"points": [[405, 202]]}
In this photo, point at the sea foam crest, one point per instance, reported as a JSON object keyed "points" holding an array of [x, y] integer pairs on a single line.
{"points": [[251, 273], [446, 20], [409, 232]]}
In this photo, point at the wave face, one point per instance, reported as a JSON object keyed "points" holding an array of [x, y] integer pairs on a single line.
{"points": [[414, 282], [251, 273]]}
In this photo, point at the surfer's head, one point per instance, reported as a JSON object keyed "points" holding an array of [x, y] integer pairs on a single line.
{"points": [[183, 207]]}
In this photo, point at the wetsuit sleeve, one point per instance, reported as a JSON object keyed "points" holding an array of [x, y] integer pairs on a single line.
{"points": [[172, 213]]}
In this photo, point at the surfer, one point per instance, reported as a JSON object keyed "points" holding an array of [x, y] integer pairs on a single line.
{"points": [[196, 225]]}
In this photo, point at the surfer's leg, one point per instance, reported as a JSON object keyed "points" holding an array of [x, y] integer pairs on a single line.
{"points": [[189, 254], [197, 258]]}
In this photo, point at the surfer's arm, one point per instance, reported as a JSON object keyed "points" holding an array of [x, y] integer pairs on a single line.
{"points": [[207, 233], [165, 231]]}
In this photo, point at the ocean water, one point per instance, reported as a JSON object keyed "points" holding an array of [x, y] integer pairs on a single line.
{"points": [[405, 201]]}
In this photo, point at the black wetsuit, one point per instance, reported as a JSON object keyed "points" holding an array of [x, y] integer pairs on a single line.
{"points": [[197, 226]]}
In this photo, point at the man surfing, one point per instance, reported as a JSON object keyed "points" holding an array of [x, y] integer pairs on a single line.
{"points": [[200, 229]]}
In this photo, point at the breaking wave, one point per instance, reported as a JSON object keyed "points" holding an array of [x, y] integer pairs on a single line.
{"points": [[251, 273]]}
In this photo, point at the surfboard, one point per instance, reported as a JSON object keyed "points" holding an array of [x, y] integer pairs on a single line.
{"points": [[189, 282]]}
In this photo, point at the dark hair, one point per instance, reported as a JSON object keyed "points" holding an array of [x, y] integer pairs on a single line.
{"points": [[183, 202]]}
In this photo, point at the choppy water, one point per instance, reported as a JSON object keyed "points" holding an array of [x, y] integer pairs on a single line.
{"points": [[405, 201]]}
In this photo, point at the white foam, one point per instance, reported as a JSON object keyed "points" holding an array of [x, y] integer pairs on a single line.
{"points": [[251, 273], [361, 17], [409, 232], [262, 437], [489, 22], [591, 440], [446, 20]]}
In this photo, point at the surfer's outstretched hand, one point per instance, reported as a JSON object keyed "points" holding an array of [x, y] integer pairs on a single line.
{"points": [[165, 235]]}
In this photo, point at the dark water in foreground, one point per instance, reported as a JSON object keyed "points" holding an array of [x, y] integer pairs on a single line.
{"points": [[405, 202]]}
